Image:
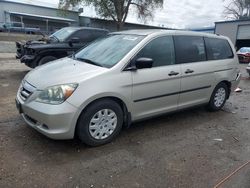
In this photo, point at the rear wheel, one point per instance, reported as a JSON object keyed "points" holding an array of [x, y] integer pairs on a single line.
{"points": [[100, 123], [218, 97], [46, 59]]}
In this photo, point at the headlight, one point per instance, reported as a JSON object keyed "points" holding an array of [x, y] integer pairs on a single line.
{"points": [[56, 94]]}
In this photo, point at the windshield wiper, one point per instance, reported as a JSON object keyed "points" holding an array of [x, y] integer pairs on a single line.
{"points": [[87, 61]]}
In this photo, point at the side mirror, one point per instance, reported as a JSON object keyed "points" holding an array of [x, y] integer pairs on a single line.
{"points": [[75, 40], [143, 62]]}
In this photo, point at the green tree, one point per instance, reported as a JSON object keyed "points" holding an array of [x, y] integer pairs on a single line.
{"points": [[117, 10], [238, 9]]}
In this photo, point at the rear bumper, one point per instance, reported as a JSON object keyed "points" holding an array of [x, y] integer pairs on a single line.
{"points": [[248, 69], [235, 83]]}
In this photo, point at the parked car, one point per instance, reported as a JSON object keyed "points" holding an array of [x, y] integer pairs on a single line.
{"points": [[18, 27], [62, 43], [126, 77], [244, 55]]}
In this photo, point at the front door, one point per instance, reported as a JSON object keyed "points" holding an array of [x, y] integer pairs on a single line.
{"points": [[156, 90]]}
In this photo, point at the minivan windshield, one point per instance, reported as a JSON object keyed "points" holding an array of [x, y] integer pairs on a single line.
{"points": [[108, 51], [62, 34]]}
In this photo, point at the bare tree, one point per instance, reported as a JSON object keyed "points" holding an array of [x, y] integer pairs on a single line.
{"points": [[117, 10], [237, 9]]}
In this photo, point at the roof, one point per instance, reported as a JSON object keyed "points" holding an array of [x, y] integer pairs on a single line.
{"points": [[146, 32], [41, 16], [88, 28], [139, 31], [203, 29], [130, 23], [36, 3], [230, 21]]}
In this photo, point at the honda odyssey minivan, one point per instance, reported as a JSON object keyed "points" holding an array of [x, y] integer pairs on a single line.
{"points": [[126, 77]]}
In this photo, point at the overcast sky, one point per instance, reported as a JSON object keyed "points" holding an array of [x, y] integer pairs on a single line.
{"points": [[175, 13]]}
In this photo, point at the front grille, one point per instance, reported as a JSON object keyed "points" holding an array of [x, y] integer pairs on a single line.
{"points": [[26, 90]]}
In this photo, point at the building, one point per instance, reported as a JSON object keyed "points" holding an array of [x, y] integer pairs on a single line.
{"points": [[46, 18], [110, 24], [49, 18], [237, 30]]}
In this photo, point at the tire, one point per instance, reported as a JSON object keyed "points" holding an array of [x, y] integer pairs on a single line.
{"points": [[218, 97], [46, 59], [94, 129]]}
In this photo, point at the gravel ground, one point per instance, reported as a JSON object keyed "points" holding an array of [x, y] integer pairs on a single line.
{"points": [[192, 148]]}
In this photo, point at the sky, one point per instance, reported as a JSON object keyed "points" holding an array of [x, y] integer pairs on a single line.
{"points": [[177, 14]]}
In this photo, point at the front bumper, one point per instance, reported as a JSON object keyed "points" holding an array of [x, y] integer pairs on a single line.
{"points": [[53, 121], [19, 50], [244, 59], [27, 58]]}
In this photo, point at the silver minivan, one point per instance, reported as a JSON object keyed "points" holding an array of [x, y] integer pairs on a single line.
{"points": [[125, 77]]}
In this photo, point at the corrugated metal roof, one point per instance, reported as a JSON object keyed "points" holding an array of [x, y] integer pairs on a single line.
{"points": [[230, 21], [35, 3], [41, 16], [39, 3]]}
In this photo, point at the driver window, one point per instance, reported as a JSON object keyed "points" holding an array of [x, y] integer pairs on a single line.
{"points": [[161, 50]]}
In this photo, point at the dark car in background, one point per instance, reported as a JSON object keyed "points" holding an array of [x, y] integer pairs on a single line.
{"points": [[244, 55], [62, 43]]}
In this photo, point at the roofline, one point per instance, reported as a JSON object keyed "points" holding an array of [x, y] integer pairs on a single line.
{"points": [[174, 32], [231, 21], [203, 29], [54, 8], [41, 16], [156, 27], [89, 28]]}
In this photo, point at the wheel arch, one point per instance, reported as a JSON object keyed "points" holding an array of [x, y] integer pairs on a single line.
{"points": [[118, 100], [49, 52], [229, 84]]}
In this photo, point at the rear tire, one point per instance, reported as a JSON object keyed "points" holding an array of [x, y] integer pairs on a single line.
{"points": [[218, 97], [100, 122], [46, 59]]}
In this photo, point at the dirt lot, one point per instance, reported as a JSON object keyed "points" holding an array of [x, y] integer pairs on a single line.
{"points": [[193, 148]]}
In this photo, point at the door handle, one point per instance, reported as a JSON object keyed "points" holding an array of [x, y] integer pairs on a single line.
{"points": [[188, 71], [173, 73]]}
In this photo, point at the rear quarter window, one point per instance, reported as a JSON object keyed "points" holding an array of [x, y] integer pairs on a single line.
{"points": [[189, 49], [218, 49]]}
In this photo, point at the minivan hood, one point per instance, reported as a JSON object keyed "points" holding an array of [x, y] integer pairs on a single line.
{"points": [[62, 71]]}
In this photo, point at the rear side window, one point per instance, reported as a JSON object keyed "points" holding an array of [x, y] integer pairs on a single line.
{"points": [[161, 50], [189, 49], [218, 49]]}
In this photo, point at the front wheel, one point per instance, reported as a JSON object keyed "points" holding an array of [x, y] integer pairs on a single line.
{"points": [[218, 97], [46, 59], [100, 123]]}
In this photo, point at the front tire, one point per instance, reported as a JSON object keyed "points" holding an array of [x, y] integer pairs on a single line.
{"points": [[218, 97], [100, 122]]}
